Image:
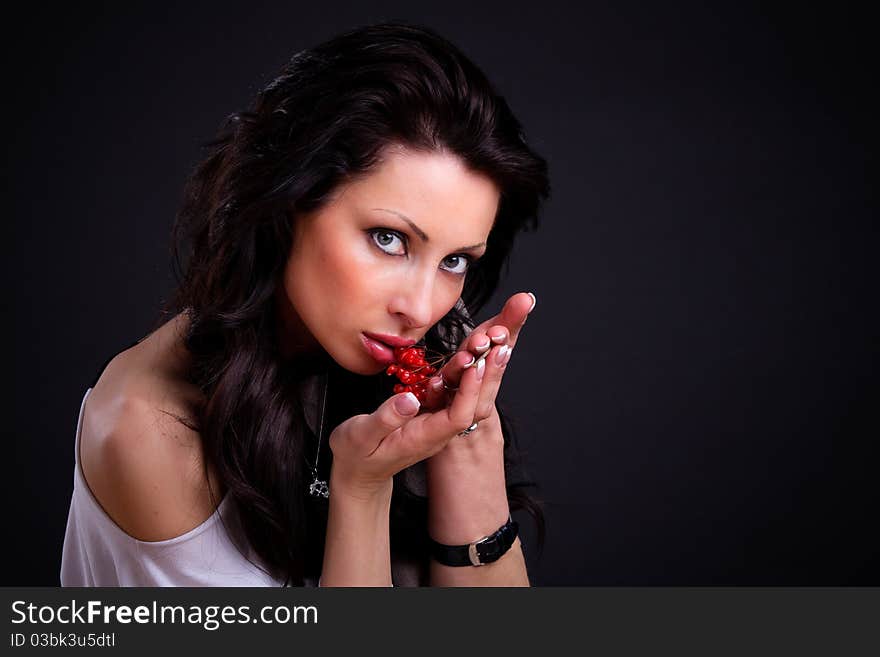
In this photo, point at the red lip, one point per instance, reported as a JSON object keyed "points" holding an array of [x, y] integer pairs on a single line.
{"points": [[380, 351], [390, 340]]}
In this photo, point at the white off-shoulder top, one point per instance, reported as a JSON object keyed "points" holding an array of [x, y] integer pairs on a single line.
{"points": [[97, 552]]}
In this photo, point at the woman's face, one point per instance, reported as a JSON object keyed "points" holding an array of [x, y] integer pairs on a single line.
{"points": [[387, 257]]}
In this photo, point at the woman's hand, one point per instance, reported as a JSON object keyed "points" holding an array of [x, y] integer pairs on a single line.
{"points": [[491, 341], [467, 496], [369, 449]]}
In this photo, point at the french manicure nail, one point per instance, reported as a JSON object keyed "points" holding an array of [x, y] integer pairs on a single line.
{"points": [[483, 347], [498, 339], [481, 367], [501, 355], [508, 355], [534, 301], [473, 360], [407, 404]]}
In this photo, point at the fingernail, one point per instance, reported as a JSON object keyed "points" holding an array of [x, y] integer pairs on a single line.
{"points": [[498, 339], [483, 347], [473, 360], [437, 383], [534, 301], [481, 367], [508, 355], [501, 355], [407, 404]]}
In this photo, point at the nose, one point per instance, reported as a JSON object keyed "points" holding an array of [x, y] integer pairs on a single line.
{"points": [[413, 300]]}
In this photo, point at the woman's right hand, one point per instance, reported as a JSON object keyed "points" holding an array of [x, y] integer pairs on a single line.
{"points": [[368, 450]]}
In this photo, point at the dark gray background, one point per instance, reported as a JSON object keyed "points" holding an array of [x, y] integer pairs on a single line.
{"points": [[697, 386], [688, 621]]}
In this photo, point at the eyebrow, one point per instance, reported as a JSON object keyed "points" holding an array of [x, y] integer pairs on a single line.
{"points": [[424, 237]]}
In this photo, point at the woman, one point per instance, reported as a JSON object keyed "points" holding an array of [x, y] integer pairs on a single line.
{"points": [[366, 201]]}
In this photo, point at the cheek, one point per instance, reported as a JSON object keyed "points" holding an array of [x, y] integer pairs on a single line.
{"points": [[316, 280], [449, 299], [346, 272]]}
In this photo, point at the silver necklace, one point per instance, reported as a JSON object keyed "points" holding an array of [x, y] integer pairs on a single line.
{"points": [[319, 487]]}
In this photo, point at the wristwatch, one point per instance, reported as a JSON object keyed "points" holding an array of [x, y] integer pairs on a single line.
{"points": [[486, 550]]}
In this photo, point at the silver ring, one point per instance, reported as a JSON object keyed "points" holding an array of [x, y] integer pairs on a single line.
{"points": [[469, 430]]}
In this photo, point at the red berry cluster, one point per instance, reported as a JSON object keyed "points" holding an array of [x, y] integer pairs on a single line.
{"points": [[412, 370]]}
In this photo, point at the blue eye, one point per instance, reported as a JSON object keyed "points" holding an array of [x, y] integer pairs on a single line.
{"points": [[463, 264], [384, 238]]}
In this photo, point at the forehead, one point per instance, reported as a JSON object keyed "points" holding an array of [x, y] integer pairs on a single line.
{"points": [[434, 189]]}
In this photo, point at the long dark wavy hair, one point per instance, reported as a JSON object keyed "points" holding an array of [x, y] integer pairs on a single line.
{"points": [[324, 120]]}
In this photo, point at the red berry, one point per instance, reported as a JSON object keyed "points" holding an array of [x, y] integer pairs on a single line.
{"points": [[411, 370]]}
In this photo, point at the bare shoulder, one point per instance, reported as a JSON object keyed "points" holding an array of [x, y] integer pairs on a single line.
{"points": [[141, 460]]}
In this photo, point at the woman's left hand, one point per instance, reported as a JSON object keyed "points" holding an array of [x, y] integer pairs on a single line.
{"points": [[466, 480], [491, 342]]}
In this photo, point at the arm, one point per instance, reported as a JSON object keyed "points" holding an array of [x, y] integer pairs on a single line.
{"points": [[467, 496], [367, 451], [357, 551], [468, 500]]}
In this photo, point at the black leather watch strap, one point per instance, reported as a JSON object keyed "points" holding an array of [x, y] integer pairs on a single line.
{"points": [[486, 550]]}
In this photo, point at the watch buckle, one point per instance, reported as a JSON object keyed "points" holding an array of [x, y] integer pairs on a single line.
{"points": [[473, 555]]}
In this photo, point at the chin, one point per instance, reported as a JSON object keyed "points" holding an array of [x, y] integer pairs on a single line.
{"points": [[366, 369]]}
